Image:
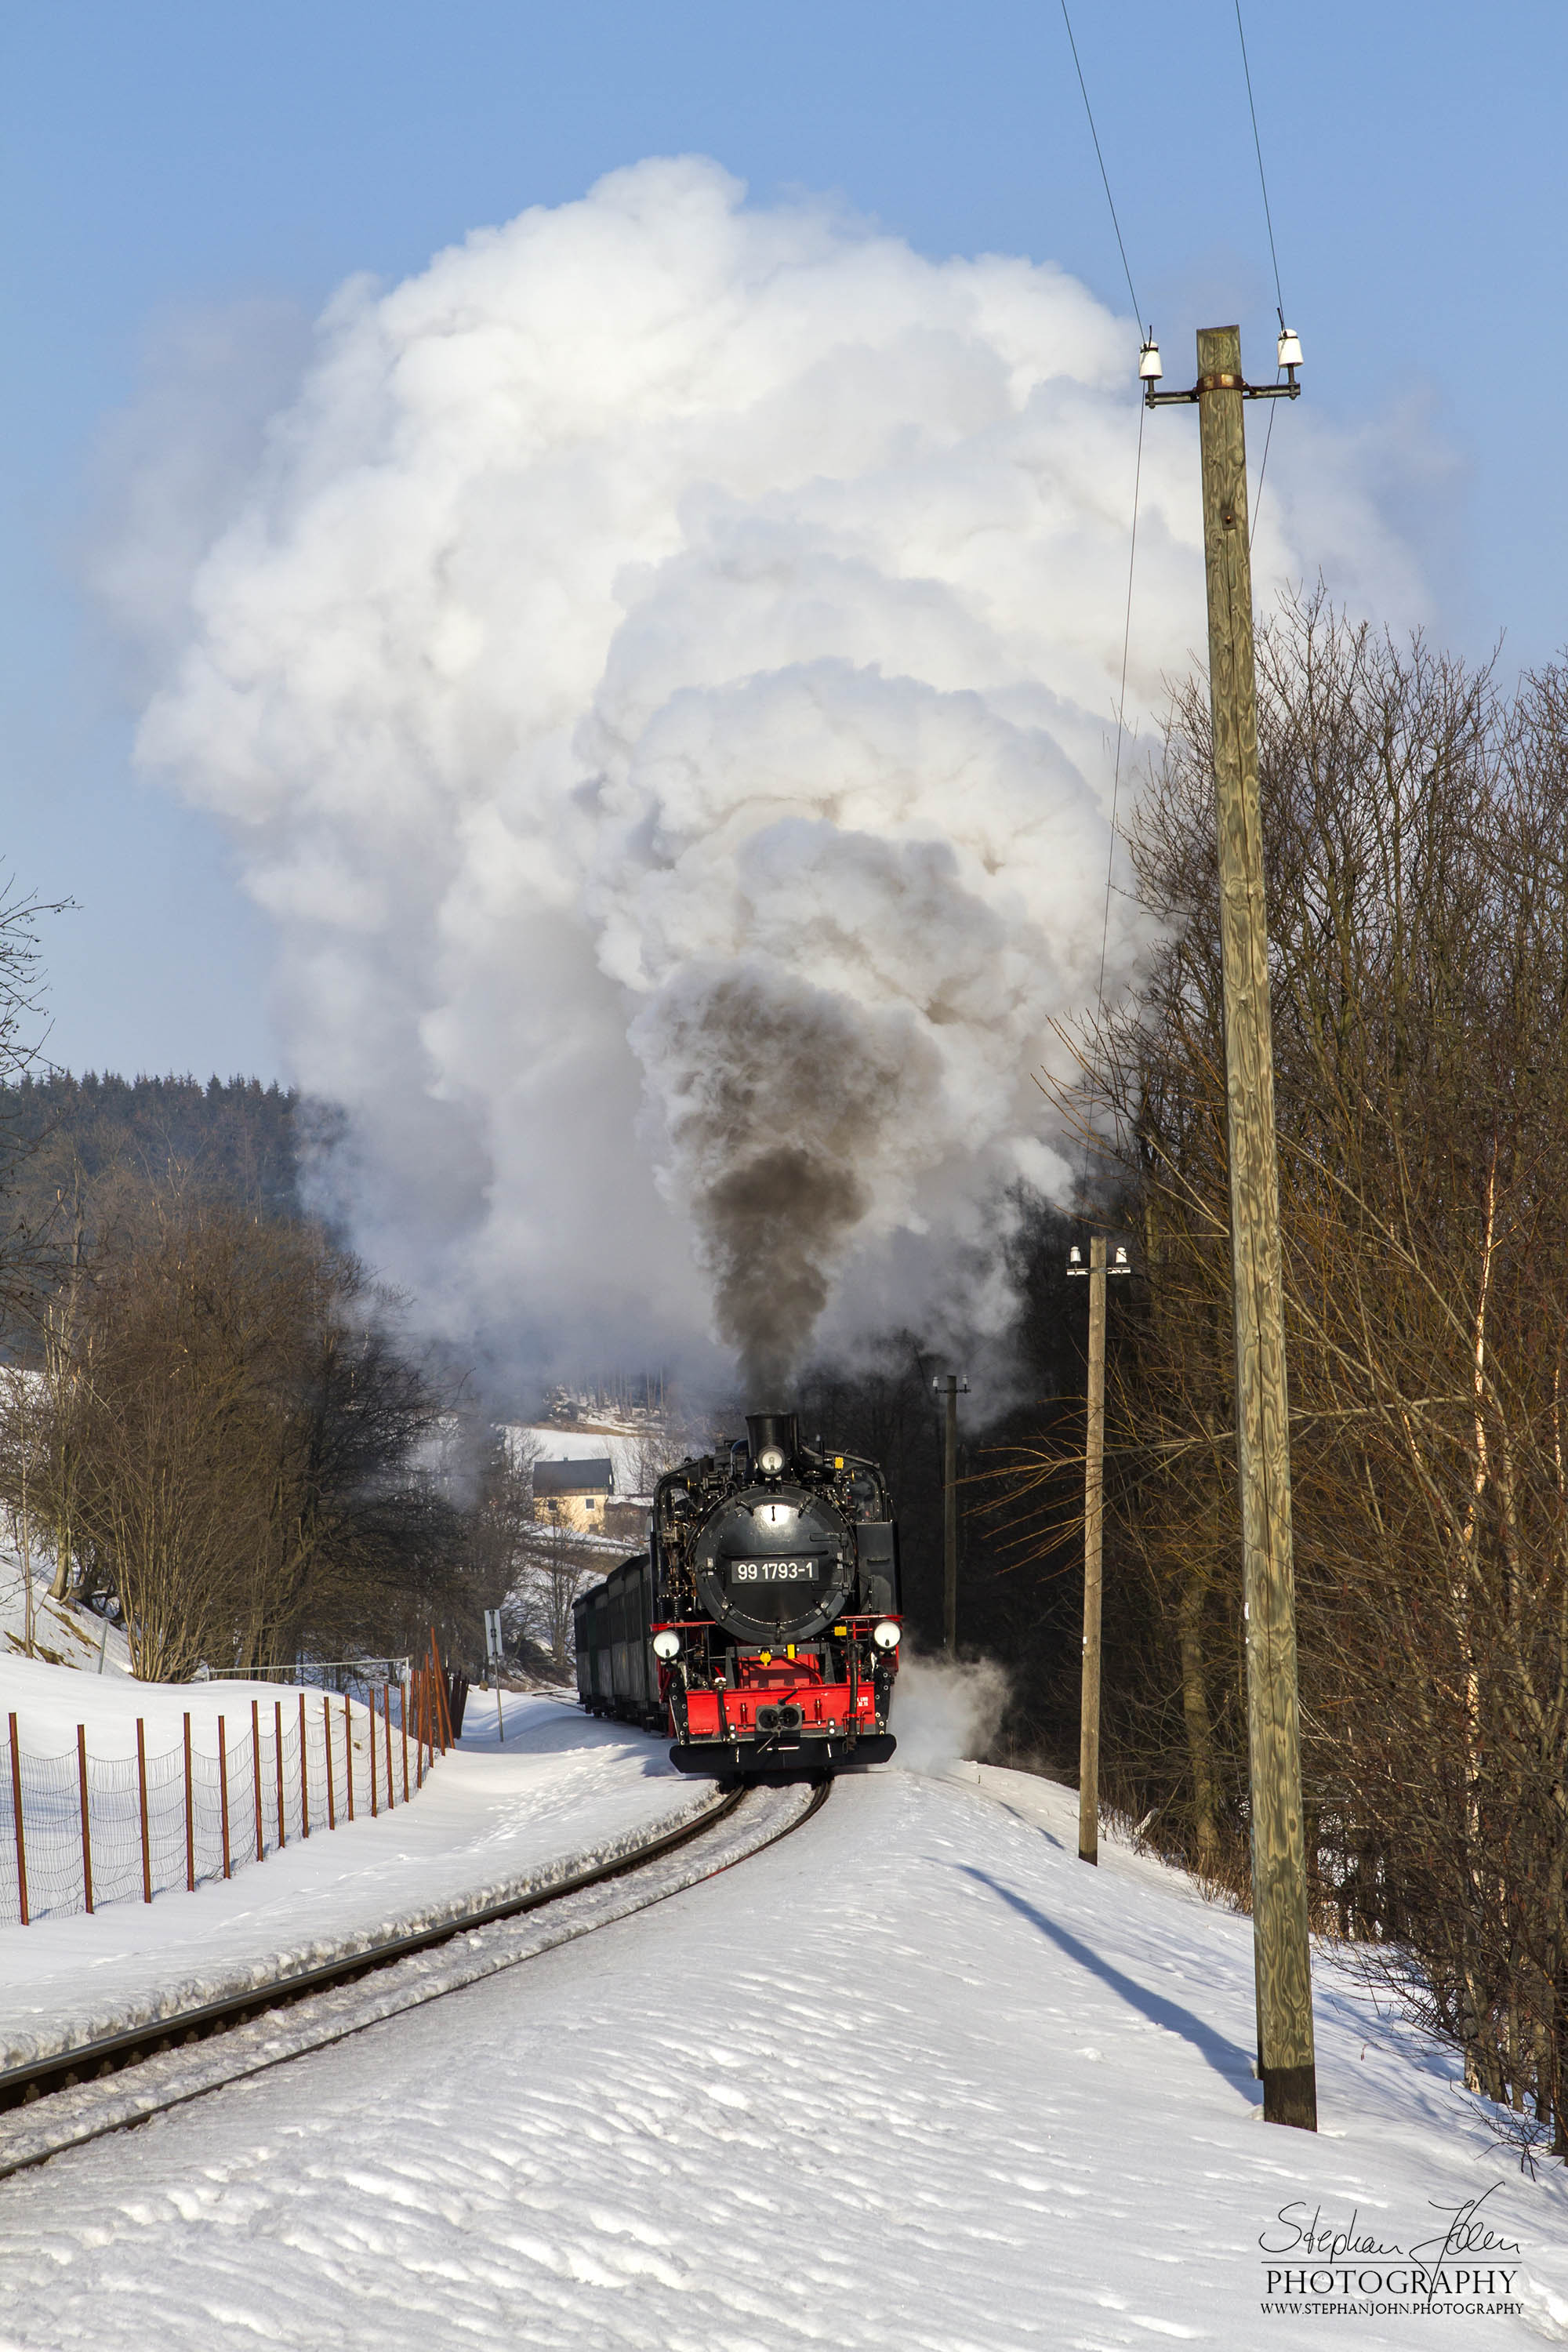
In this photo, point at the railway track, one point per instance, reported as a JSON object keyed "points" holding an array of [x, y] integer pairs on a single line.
{"points": [[124, 2079]]}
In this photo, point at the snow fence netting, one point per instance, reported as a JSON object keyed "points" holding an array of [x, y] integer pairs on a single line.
{"points": [[84, 1831]]}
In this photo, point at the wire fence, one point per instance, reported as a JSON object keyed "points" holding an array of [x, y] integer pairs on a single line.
{"points": [[87, 1831]]}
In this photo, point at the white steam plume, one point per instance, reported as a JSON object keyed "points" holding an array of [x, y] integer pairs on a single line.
{"points": [[660, 682], [946, 1709]]}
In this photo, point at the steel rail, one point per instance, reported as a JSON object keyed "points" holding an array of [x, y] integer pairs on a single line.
{"points": [[19, 2085], [27, 2087]]}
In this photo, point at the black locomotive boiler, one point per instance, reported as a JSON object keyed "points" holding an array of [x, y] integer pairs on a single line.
{"points": [[762, 1623]]}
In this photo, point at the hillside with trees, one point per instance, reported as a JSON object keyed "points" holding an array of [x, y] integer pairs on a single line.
{"points": [[1416, 821]]}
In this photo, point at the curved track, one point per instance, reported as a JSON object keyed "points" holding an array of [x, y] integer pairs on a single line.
{"points": [[63, 2102]]}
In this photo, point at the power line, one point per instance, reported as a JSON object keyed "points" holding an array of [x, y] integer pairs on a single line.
{"points": [[1116, 224], [1262, 182], [1274, 257], [1120, 717], [1262, 470]]}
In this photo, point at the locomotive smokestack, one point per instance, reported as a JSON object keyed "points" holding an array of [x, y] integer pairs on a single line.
{"points": [[773, 1429]]}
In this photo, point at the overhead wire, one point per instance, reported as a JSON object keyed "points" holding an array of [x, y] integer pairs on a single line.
{"points": [[1131, 553], [1104, 174], [1262, 179], [1273, 256], [1121, 715]]}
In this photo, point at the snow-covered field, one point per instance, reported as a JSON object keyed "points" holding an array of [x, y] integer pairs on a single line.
{"points": [[915, 2080]]}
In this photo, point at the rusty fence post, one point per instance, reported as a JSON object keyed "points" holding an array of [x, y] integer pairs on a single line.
{"points": [[190, 1818], [386, 1726], [256, 1777], [222, 1795], [402, 1726], [304, 1782], [86, 1813], [349, 1755], [327, 1747], [142, 1785], [17, 1809], [371, 1711], [277, 1742]]}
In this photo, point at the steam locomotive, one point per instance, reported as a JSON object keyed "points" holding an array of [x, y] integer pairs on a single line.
{"points": [[762, 1623]]}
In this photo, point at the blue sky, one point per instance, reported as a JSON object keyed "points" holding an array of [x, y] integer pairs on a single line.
{"points": [[165, 162]]}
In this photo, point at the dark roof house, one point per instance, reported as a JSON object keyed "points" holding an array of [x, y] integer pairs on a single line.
{"points": [[594, 1476]]}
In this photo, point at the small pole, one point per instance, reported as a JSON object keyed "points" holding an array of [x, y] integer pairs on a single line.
{"points": [[17, 1811], [494, 1655], [277, 1747], [444, 1714], [435, 1695], [190, 1818], [402, 1726], [950, 1515], [371, 1711], [1093, 1557], [82, 1799], [386, 1724], [222, 1796], [304, 1782], [950, 1520], [349, 1753], [256, 1777], [27, 1617], [146, 1835], [326, 1744]]}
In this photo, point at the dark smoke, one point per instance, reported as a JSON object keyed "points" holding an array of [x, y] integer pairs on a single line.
{"points": [[773, 1229], [789, 1107]]}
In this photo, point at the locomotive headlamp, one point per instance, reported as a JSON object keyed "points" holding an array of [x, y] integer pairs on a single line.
{"points": [[771, 1461], [886, 1634], [666, 1645]]}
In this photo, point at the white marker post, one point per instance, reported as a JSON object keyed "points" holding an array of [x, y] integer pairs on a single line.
{"points": [[493, 1658]]}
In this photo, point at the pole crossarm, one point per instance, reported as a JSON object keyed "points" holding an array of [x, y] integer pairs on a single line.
{"points": [[1222, 383]]}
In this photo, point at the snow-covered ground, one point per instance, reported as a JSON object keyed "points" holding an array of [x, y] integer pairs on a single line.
{"points": [[62, 1636], [491, 1814], [914, 2081]]}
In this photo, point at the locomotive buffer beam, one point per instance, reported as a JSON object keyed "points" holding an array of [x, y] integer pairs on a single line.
{"points": [[779, 1755]]}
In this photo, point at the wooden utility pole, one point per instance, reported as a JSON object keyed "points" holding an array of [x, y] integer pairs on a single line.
{"points": [[1093, 1543], [950, 1521], [1282, 1954]]}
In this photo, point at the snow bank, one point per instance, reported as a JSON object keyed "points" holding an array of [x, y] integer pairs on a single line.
{"points": [[490, 1820], [913, 2081]]}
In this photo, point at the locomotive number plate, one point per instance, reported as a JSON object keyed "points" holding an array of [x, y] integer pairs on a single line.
{"points": [[773, 1571]]}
